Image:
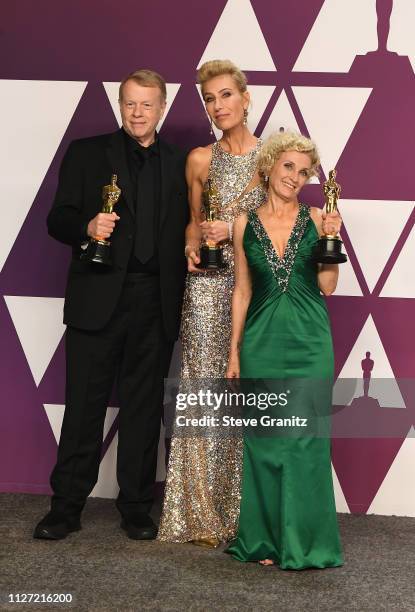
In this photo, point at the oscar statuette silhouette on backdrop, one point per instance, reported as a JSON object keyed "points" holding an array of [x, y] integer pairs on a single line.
{"points": [[367, 367], [375, 411], [382, 58]]}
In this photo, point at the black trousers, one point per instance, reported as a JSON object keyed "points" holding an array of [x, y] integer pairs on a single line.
{"points": [[133, 350]]}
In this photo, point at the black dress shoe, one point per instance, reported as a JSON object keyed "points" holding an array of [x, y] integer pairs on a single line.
{"points": [[140, 527], [55, 527]]}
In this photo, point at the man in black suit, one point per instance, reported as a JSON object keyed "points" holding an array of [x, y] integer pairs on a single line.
{"points": [[122, 319]]}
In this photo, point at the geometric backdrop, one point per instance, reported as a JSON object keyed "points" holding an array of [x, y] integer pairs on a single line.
{"points": [[318, 66]]}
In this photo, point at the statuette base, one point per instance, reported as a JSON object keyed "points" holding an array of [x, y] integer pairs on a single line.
{"points": [[98, 251], [211, 258], [329, 250]]}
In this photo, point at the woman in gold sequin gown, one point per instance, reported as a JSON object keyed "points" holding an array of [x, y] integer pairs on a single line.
{"points": [[202, 494]]}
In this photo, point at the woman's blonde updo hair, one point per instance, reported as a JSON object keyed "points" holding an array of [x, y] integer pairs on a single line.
{"points": [[281, 142], [214, 68]]}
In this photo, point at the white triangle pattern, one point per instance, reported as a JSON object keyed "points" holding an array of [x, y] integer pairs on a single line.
{"points": [[37, 102], [347, 283], [331, 114], [249, 51], [38, 323], [341, 503], [107, 478], [366, 221], [401, 281], [112, 93], [401, 36], [107, 485], [396, 496], [327, 48], [110, 417], [283, 116], [337, 36], [260, 96], [55, 414], [388, 394]]}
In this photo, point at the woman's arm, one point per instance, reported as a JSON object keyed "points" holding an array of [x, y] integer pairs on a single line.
{"points": [[328, 274], [197, 167], [241, 297]]}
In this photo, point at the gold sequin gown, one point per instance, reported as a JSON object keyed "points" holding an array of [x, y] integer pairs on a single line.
{"points": [[202, 494]]}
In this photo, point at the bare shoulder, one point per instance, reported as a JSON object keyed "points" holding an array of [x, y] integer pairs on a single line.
{"points": [[200, 156], [197, 165]]}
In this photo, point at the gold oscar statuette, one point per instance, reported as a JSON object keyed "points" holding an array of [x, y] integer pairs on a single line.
{"points": [[99, 248], [329, 248], [211, 255]]}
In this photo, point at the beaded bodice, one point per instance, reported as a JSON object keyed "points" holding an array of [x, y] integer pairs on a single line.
{"points": [[231, 175], [281, 266]]}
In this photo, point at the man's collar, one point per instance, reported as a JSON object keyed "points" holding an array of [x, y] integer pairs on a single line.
{"points": [[135, 146]]}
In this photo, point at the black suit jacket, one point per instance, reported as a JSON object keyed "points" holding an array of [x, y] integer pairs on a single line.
{"points": [[93, 289]]}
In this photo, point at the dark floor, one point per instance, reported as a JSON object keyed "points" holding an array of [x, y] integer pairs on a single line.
{"points": [[104, 570]]}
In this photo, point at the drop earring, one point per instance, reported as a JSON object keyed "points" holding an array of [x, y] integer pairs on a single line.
{"points": [[245, 116], [211, 127]]}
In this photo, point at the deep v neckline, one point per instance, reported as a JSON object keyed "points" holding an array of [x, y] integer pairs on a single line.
{"points": [[268, 237], [281, 267]]}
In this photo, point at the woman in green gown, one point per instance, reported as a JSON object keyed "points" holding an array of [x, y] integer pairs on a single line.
{"points": [[281, 330]]}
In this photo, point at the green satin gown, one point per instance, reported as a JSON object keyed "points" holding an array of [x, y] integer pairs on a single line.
{"points": [[287, 509]]}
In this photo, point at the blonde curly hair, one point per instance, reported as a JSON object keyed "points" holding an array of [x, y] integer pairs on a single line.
{"points": [[279, 143]]}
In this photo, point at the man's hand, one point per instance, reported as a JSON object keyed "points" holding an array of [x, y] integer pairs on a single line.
{"points": [[102, 226]]}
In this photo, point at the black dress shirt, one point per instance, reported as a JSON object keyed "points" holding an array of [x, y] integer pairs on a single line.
{"points": [[136, 157]]}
